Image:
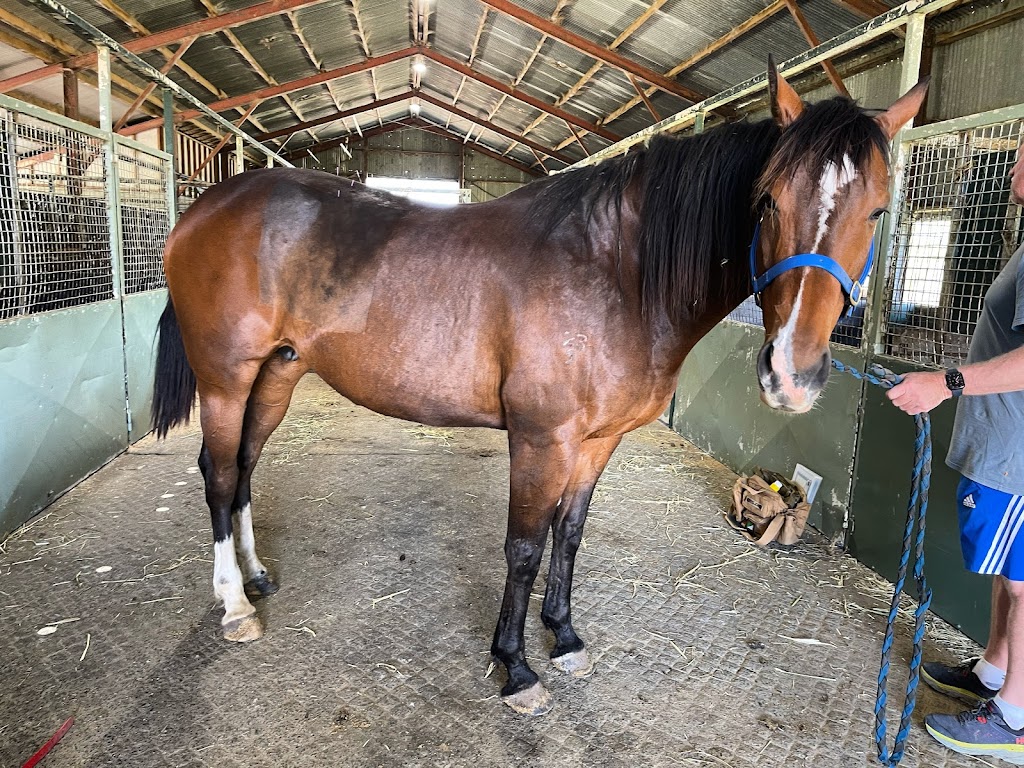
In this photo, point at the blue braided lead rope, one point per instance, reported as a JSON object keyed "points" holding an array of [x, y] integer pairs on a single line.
{"points": [[917, 508]]}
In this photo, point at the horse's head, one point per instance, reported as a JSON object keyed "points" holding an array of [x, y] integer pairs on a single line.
{"points": [[824, 187]]}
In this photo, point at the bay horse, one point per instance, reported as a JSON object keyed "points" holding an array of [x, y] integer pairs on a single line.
{"points": [[560, 312]]}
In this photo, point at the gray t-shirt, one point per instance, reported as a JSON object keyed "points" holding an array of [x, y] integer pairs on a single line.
{"points": [[987, 444]]}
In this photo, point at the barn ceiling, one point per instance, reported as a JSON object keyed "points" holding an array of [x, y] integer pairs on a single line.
{"points": [[542, 83]]}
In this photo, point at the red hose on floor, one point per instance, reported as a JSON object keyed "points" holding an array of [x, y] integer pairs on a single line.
{"points": [[45, 749]]}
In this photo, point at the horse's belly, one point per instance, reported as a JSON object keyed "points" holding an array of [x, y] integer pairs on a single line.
{"points": [[416, 382]]}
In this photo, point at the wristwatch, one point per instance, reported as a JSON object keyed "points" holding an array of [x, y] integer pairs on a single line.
{"points": [[954, 381]]}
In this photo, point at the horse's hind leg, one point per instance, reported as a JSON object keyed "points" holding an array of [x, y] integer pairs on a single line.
{"points": [[540, 468], [222, 412], [569, 654], [268, 403]]}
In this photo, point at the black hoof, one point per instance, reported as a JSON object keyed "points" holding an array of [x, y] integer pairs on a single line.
{"points": [[261, 586]]}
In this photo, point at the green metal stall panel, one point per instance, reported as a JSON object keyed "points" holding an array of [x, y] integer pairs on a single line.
{"points": [[62, 386], [141, 314], [718, 409], [880, 492]]}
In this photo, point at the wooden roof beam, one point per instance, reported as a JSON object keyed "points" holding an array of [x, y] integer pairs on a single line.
{"points": [[276, 90], [483, 123], [341, 115], [497, 85], [139, 28], [594, 50], [166, 37], [733, 34], [144, 94], [813, 41]]}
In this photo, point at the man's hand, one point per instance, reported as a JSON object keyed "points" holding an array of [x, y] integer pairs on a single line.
{"points": [[920, 392]]}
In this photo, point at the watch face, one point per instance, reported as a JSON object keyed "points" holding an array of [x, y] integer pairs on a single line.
{"points": [[954, 379]]}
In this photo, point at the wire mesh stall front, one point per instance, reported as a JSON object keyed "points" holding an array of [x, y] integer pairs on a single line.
{"points": [[54, 228], [849, 329], [145, 217], [955, 229]]}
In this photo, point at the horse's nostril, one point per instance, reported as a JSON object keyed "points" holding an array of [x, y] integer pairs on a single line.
{"points": [[764, 359]]}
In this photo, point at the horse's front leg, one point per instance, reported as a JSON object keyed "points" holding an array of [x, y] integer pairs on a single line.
{"points": [[569, 654], [540, 468]]}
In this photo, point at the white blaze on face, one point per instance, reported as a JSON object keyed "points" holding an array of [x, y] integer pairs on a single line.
{"points": [[833, 179], [782, 349], [227, 582]]}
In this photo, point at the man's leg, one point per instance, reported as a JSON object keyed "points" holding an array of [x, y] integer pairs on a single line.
{"points": [[987, 526], [1012, 692]]}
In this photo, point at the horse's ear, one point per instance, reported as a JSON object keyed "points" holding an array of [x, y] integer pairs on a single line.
{"points": [[906, 106], [786, 104]]}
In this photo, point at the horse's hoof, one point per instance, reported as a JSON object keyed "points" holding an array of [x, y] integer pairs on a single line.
{"points": [[261, 586], [534, 700], [243, 630], [575, 663]]}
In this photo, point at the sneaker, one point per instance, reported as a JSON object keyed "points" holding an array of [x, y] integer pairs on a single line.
{"points": [[981, 731], [958, 682]]}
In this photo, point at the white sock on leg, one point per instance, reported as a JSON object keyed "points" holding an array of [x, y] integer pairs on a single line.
{"points": [[991, 676], [1012, 714]]}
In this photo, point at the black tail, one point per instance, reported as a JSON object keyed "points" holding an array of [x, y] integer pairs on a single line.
{"points": [[175, 387]]}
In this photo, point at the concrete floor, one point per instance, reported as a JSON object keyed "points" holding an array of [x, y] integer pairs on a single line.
{"points": [[387, 542]]}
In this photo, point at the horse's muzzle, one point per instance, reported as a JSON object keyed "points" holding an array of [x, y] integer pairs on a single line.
{"points": [[788, 390]]}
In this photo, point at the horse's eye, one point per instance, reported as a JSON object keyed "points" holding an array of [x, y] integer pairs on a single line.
{"points": [[877, 213]]}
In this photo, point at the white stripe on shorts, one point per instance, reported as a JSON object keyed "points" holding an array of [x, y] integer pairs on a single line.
{"points": [[1004, 536], [1009, 543]]}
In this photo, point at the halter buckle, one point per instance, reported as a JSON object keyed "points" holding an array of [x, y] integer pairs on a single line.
{"points": [[856, 290]]}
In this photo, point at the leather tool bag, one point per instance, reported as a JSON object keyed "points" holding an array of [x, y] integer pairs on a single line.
{"points": [[764, 513]]}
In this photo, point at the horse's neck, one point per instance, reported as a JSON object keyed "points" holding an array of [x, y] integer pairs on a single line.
{"points": [[674, 340]]}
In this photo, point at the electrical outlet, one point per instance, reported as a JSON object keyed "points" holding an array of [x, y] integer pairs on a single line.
{"points": [[808, 481]]}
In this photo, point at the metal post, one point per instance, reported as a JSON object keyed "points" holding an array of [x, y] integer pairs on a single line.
{"points": [[698, 122], [886, 240], [10, 149], [270, 161], [239, 155], [169, 148], [110, 166]]}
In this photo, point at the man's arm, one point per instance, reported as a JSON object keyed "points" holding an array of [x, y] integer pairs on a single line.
{"points": [[920, 392]]}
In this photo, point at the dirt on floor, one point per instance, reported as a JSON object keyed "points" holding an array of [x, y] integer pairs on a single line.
{"points": [[386, 538]]}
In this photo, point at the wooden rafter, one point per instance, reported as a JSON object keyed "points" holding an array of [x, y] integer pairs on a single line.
{"points": [[497, 85], [139, 28], [593, 49], [144, 94], [813, 41], [733, 34], [590, 73], [340, 115], [56, 46], [224, 140], [292, 85], [647, 101], [151, 42], [484, 123]]}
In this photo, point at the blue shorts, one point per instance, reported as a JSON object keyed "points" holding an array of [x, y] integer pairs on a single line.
{"points": [[990, 530]]}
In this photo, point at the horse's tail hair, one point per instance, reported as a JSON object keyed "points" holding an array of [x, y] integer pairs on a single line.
{"points": [[175, 387]]}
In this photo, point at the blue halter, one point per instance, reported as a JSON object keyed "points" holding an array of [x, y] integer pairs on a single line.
{"points": [[852, 290]]}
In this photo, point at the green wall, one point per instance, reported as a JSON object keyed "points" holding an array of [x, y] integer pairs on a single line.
{"points": [[718, 409], [861, 445], [881, 487], [68, 379]]}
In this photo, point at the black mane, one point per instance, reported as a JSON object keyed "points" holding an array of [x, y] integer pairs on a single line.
{"points": [[699, 196], [824, 133]]}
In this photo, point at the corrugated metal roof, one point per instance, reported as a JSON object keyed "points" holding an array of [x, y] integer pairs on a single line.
{"points": [[508, 50]]}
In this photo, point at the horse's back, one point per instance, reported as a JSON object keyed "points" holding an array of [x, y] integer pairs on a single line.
{"points": [[439, 315]]}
